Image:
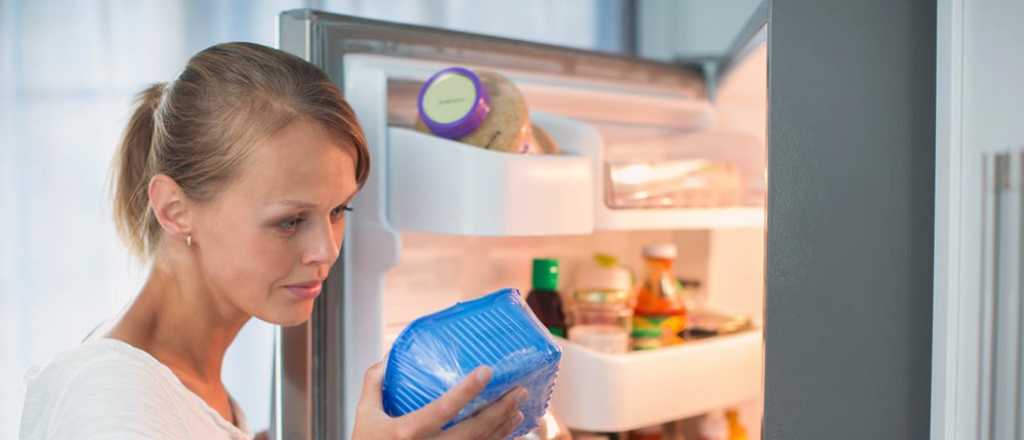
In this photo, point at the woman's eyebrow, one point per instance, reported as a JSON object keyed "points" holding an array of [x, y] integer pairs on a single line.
{"points": [[308, 205], [297, 203]]}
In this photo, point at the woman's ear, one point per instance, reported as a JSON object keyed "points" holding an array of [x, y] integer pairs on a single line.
{"points": [[169, 205]]}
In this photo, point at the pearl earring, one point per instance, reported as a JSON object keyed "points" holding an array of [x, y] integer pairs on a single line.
{"points": [[188, 240]]}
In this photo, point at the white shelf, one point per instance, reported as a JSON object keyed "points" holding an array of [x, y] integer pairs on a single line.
{"points": [[442, 186], [613, 393], [447, 187]]}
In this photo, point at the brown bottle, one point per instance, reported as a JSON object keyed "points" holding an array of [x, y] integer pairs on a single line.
{"points": [[544, 298]]}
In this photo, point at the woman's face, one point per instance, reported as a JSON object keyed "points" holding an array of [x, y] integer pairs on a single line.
{"points": [[266, 243]]}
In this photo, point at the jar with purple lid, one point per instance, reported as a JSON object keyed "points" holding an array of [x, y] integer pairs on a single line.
{"points": [[453, 103], [480, 108]]}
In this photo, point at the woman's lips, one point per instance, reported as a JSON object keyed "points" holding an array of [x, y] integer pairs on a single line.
{"points": [[307, 290]]}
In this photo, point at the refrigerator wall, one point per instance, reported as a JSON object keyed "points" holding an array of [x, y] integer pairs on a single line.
{"points": [[434, 271]]}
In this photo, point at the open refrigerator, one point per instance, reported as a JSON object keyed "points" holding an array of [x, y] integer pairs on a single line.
{"points": [[651, 153]]}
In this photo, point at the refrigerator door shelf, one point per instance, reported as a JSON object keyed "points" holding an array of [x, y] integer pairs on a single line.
{"points": [[613, 393], [585, 117], [441, 186], [447, 187]]}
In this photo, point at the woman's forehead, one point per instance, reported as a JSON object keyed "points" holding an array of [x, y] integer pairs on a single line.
{"points": [[300, 162]]}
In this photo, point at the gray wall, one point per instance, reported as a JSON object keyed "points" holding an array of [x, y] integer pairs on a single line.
{"points": [[850, 219]]}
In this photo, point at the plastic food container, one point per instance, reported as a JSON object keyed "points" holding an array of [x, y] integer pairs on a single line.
{"points": [[437, 351]]}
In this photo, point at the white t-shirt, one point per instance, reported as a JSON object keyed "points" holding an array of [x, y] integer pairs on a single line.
{"points": [[108, 389]]}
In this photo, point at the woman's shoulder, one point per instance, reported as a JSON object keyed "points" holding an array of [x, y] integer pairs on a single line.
{"points": [[99, 363], [101, 386]]}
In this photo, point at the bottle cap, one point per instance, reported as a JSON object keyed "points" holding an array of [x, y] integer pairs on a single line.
{"points": [[665, 251], [545, 274], [604, 273]]}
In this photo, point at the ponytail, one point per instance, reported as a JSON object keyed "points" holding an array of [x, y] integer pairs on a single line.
{"points": [[132, 170]]}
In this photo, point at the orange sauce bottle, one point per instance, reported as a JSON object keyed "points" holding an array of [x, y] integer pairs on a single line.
{"points": [[660, 312]]}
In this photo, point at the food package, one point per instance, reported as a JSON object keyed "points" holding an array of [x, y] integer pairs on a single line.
{"points": [[437, 351], [481, 108]]}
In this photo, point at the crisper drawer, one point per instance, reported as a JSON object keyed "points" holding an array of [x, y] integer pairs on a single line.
{"points": [[613, 393]]}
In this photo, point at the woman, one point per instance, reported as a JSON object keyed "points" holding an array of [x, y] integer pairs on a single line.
{"points": [[234, 180]]}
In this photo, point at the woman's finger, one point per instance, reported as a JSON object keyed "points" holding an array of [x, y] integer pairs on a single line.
{"points": [[430, 418], [506, 428], [371, 387], [371, 421], [486, 422]]}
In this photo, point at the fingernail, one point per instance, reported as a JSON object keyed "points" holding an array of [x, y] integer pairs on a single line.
{"points": [[521, 395], [483, 374]]}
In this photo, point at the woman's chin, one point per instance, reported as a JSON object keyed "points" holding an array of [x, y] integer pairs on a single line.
{"points": [[293, 322], [290, 317]]}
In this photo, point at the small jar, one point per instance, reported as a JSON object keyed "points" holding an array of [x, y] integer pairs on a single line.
{"points": [[602, 320], [602, 314], [480, 108]]}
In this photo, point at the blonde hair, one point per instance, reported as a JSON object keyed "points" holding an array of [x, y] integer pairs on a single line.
{"points": [[200, 127]]}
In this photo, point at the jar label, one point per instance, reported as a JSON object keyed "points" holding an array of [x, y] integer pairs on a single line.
{"points": [[449, 98]]}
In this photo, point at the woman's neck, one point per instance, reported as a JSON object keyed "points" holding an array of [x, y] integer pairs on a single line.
{"points": [[181, 322]]}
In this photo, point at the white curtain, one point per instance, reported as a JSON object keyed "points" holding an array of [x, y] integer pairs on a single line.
{"points": [[68, 71]]}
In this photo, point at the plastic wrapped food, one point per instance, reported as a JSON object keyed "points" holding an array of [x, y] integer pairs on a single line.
{"points": [[673, 183], [437, 351]]}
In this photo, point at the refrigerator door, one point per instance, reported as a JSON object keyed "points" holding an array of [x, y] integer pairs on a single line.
{"points": [[380, 66], [849, 266]]}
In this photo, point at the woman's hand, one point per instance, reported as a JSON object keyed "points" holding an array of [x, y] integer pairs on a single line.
{"points": [[496, 421]]}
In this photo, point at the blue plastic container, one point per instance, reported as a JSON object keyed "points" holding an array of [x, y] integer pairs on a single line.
{"points": [[437, 351]]}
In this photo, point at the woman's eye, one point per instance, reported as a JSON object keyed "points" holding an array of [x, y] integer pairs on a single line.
{"points": [[338, 212], [290, 224]]}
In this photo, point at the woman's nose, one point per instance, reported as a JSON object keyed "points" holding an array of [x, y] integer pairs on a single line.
{"points": [[323, 247]]}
